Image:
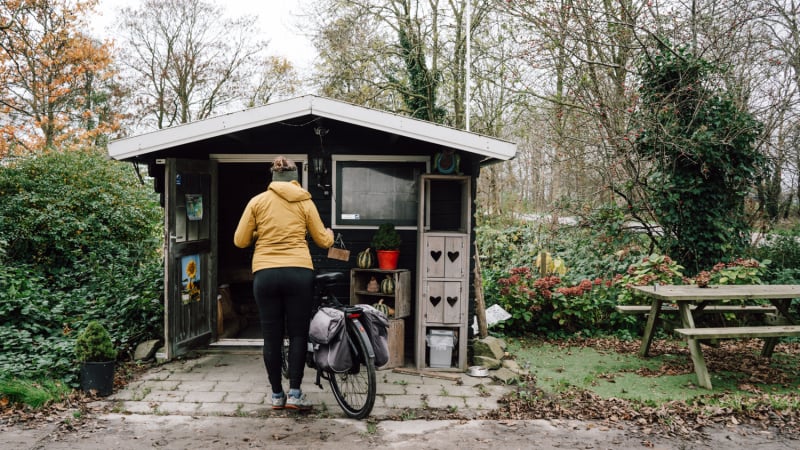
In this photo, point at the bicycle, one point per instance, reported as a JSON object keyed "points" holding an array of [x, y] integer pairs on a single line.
{"points": [[353, 389]]}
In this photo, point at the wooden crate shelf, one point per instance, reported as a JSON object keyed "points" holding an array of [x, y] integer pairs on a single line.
{"points": [[396, 338], [400, 300]]}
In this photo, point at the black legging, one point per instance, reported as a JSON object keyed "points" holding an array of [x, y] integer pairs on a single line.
{"points": [[284, 294]]}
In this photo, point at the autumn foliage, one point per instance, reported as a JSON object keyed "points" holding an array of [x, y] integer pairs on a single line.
{"points": [[54, 78]]}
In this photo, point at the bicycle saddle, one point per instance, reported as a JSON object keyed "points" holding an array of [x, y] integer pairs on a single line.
{"points": [[329, 277]]}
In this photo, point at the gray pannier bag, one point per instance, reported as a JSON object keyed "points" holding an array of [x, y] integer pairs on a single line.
{"points": [[329, 339], [377, 325]]}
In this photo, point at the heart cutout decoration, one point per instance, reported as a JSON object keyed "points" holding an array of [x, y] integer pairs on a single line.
{"points": [[436, 254], [435, 300], [452, 300], [453, 256]]}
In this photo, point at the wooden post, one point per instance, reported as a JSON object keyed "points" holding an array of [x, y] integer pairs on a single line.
{"points": [[480, 304], [543, 263]]}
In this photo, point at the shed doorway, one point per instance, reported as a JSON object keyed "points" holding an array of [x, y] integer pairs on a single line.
{"points": [[240, 178]]}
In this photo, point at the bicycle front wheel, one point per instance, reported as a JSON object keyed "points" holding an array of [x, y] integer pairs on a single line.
{"points": [[355, 389]]}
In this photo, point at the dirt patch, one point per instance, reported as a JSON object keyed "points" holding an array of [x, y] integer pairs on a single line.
{"points": [[572, 418], [205, 432]]}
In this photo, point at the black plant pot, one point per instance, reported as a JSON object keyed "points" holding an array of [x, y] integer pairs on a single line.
{"points": [[98, 377]]}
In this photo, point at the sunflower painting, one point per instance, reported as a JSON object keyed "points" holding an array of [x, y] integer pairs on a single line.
{"points": [[190, 268]]}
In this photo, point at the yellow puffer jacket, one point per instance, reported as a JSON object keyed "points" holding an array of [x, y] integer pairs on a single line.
{"points": [[277, 219]]}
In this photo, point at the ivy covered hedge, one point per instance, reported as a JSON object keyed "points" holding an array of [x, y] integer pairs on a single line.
{"points": [[80, 240]]}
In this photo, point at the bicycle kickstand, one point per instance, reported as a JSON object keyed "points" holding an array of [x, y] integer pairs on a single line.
{"points": [[318, 382]]}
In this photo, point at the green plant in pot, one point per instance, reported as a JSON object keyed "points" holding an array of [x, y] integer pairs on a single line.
{"points": [[386, 243], [95, 351]]}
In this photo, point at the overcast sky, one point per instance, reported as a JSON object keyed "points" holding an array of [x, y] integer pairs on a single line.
{"points": [[275, 20]]}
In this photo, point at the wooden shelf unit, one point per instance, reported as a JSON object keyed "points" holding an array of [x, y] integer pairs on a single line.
{"points": [[443, 244], [400, 300]]}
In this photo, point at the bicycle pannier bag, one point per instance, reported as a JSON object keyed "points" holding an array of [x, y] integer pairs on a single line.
{"points": [[326, 325], [376, 324], [331, 345], [336, 355]]}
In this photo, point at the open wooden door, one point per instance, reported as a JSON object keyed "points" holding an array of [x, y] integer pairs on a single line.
{"points": [[190, 265]]}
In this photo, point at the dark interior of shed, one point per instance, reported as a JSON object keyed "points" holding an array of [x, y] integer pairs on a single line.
{"points": [[239, 183]]}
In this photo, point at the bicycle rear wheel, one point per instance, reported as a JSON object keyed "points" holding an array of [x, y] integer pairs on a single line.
{"points": [[355, 389]]}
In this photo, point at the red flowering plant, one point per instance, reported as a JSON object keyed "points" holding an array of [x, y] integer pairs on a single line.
{"points": [[523, 295], [547, 305], [581, 307]]}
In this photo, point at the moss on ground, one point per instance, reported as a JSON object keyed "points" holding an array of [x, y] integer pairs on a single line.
{"points": [[657, 379]]}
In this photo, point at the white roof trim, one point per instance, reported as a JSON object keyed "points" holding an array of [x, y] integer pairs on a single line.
{"points": [[310, 104]]}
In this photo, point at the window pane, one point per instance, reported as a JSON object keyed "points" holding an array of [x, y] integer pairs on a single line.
{"points": [[371, 193]]}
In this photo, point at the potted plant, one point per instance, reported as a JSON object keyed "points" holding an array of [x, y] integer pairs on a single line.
{"points": [[386, 243], [96, 353]]}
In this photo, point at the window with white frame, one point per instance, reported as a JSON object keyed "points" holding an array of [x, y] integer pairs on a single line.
{"points": [[371, 190]]}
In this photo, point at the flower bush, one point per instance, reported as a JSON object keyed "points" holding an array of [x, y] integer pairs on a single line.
{"points": [[740, 271], [603, 261], [651, 270], [547, 305]]}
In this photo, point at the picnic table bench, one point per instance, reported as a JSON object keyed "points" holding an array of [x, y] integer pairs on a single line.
{"points": [[693, 299], [645, 309]]}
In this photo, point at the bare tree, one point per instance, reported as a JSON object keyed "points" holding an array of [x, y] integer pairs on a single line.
{"points": [[780, 60], [355, 53], [185, 59], [408, 56], [276, 78], [580, 56]]}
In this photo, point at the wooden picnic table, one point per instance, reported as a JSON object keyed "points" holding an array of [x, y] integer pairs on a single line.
{"points": [[691, 299]]}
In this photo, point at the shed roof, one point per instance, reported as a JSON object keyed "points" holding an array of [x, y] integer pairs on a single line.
{"points": [[317, 106]]}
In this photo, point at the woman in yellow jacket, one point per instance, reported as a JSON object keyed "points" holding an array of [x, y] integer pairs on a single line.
{"points": [[283, 275]]}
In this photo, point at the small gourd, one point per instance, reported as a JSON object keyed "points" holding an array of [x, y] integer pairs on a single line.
{"points": [[372, 286], [387, 310], [364, 260], [387, 285]]}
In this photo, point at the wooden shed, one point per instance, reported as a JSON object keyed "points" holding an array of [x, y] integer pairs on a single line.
{"points": [[363, 167]]}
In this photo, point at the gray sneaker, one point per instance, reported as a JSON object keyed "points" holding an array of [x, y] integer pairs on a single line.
{"points": [[300, 403], [279, 402]]}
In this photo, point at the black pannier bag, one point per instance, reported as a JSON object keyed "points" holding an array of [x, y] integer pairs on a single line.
{"points": [[377, 326]]}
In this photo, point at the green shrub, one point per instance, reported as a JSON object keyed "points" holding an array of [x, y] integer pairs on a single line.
{"points": [[597, 249], [80, 240], [386, 238], [72, 214], [740, 271], [603, 259], [94, 344], [783, 252], [651, 270]]}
